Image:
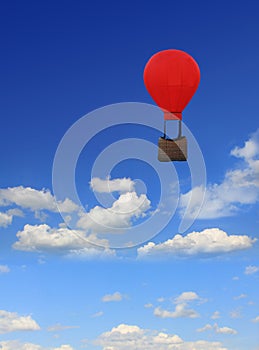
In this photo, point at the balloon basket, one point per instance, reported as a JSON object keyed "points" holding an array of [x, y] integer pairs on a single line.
{"points": [[172, 150]]}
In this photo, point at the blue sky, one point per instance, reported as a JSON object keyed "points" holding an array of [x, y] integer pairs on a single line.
{"points": [[67, 287]]}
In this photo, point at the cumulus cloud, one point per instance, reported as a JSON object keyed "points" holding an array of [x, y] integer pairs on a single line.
{"points": [[121, 185], [7, 217], [181, 310], [43, 238], [124, 337], [35, 200], [119, 216], [186, 297], [240, 186], [217, 329], [116, 218], [4, 269], [250, 270], [12, 322], [208, 241], [256, 319], [117, 296]]}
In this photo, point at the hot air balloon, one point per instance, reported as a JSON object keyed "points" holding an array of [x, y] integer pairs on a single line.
{"points": [[171, 77]]}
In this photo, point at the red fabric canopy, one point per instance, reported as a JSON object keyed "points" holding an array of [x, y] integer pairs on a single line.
{"points": [[171, 78]]}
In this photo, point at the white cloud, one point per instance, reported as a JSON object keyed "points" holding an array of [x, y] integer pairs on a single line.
{"points": [[17, 345], [116, 185], [225, 330], [240, 296], [186, 297], [43, 238], [91, 252], [7, 217], [240, 186], [35, 200], [208, 241], [215, 315], [116, 218], [4, 269], [117, 296], [124, 337], [250, 150], [12, 322], [217, 329], [181, 310], [205, 328], [250, 270], [256, 319]]}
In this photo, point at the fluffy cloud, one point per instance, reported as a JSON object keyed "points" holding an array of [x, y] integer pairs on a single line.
{"points": [[116, 185], [240, 186], [256, 319], [208, 241], [7, 217], [43, 238], [129, 206], [186, 297], [4, 269], [249, 270], [35, 200], [124, 337], [116, 218], [12, 322], [117, 296], [217, 329], [181, 310]]}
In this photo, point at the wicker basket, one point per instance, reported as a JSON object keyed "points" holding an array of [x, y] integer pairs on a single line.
{"points": [[172, 150]]}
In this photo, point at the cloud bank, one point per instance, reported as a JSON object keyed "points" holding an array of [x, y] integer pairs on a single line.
{"points": [[208, 241], [239, 187]]}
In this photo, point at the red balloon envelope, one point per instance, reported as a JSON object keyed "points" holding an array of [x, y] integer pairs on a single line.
{"points": [[171, 78]]}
